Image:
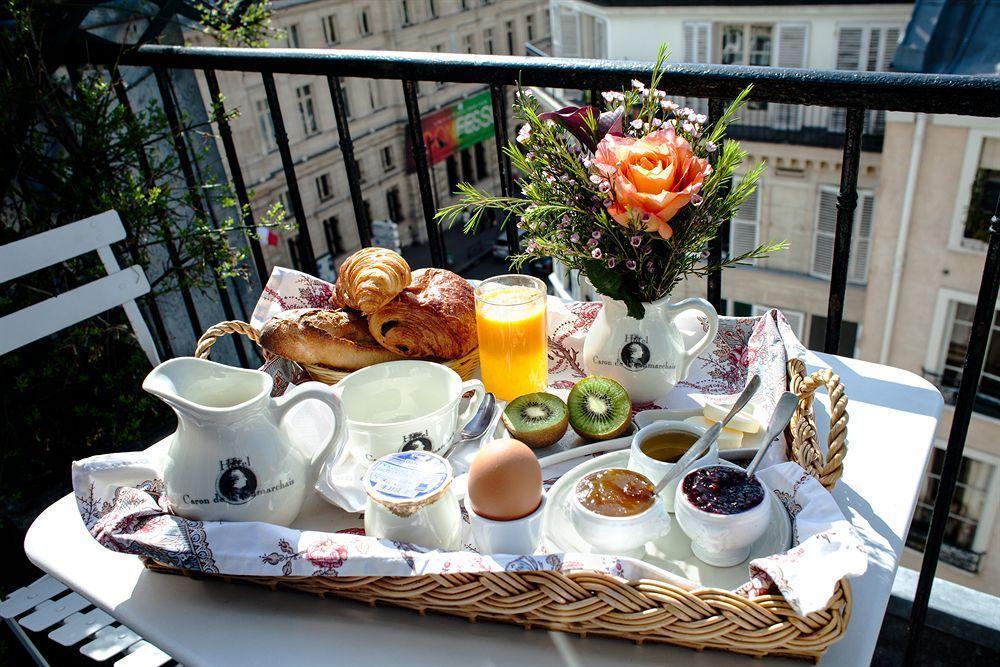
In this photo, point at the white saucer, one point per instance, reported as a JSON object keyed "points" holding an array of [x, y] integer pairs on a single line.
{"points": [[672, 552]]}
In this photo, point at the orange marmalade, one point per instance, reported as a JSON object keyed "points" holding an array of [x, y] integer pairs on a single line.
{"points": [[615, 492]]}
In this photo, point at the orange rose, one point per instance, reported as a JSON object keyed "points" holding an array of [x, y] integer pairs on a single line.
{"points": [[651, 178]]}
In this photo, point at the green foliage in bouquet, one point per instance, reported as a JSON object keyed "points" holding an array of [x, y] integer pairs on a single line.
{"points": [[630, 195]]}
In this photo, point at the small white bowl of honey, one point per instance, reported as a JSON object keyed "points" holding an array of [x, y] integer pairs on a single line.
{"points": [[656, 448]]}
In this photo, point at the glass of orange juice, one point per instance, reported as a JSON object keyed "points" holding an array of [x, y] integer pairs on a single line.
{"points": [[510, 321]]}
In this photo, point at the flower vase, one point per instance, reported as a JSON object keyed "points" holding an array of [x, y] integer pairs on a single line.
{"points": [[647, 356]]}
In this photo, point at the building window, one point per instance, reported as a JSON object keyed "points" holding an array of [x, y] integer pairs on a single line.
{"points": [[466, 158], [469, 43], [388, 158], [331, 230], [292, 36], [982, 204], [488, 40], [404, 10], [367, 206], [746, 45], [439, 48], [796, 319], [286, 204], [393, 204], [330, 32], [826, 230], [848, 335], [347, 98], [958, 331], [743, 228], [324, 187], [529, 27], [293, 252], [307, 112], [969, 517], [362, 172], [864, 48], [432, 9], [482, 170], [463, 4], [265, 125], [510, 38], [451, 167], [364, 22], [375, 94]]}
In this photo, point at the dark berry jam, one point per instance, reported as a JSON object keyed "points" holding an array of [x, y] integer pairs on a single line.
{"points": [[722, 490]]}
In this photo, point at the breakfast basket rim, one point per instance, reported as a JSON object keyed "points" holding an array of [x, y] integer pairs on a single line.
{"points": [[587, 602]]}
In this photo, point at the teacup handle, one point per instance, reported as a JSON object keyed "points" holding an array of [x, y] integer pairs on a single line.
{"points": [[470, 409], [694, 303], [324, 393]]}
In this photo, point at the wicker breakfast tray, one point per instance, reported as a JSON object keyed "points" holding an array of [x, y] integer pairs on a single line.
{"points": [[595, 603]]}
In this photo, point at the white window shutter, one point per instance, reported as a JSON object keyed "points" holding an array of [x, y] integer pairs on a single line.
{"points": [[569, 33], [600, 38], [826, 230], [850, 41], [697, 42], [792, 51], [743, 228], [795, 318], [861, 239], [889, 52]]}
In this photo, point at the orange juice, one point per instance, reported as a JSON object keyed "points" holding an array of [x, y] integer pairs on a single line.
{"points": [[513, 351]]}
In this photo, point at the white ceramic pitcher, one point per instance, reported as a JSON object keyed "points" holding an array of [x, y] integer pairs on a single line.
{"points": [[648, 356], [230, 458]]}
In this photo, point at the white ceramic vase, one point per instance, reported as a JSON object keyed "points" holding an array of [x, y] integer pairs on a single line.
{"points": [[648, 356]]}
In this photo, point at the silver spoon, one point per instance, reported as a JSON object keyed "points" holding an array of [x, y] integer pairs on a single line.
{"points": [[477, 426], [705, 441], [779, 420]]}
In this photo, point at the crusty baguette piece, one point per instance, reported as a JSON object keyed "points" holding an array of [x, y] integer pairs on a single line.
{"points": [[435, 317], [337, 339]]}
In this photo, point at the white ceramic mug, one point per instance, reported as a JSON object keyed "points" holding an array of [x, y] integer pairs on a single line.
{"points": [[639, 461], [517, 536], [405, 405]]}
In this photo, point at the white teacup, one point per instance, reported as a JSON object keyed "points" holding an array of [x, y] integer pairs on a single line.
{"points": [[405, 405], [639, 461], [517, 536]]}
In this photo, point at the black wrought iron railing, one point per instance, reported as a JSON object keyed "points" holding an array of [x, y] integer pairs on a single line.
{"points": [[854, 94]]}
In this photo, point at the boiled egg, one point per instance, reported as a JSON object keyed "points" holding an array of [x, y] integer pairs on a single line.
{"points": [[505, 480]]}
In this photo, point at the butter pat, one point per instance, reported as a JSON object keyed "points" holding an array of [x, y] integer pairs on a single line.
{"points": [[728, 439], [744, 420]]}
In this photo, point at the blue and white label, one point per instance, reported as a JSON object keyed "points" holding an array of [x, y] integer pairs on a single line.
{"points": [[407, 476]]}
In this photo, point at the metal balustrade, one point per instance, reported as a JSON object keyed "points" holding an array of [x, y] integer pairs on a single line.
{"points": [[855, 94]]}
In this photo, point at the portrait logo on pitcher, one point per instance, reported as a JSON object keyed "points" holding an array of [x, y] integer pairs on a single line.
{"points": [[237, 482], [635, 353], [417, 441]]}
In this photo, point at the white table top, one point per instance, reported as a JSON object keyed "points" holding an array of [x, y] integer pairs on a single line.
{"points": [[893, 414]]}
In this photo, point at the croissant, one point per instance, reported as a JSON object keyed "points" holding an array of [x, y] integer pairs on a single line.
{"points": [[370, 278], [434, 317]]}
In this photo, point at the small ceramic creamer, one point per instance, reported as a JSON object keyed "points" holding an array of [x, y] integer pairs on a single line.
{"points": [[231, 458], [648, 356]]}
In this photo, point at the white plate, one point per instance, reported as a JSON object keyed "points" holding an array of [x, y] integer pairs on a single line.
{"points": [[672, 552]]}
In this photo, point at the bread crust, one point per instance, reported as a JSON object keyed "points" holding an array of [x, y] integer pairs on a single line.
{"points": [[435, 316], [370, 278], [337, 339]]}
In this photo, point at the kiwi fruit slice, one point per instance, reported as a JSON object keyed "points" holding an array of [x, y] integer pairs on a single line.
{"points": [[537, 420], [599, 408]]}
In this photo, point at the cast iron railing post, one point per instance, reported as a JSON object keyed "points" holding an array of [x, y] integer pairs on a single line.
{"points": [[971, 373], [434, 237], [236, 173], [499, 102], [847, 202], [308, 257], [199, 206], [350, 162], [716, 107]]}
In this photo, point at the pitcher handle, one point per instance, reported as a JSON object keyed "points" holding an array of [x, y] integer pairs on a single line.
{"points": [[704, 307], [470, 409], [324, 393]]}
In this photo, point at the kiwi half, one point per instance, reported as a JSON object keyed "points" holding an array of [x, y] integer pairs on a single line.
{"points": [[599, 408], [537, 420]]}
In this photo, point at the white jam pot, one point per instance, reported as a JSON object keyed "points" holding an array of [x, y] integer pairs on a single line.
{"points": [[231, 458], [619, 534], [410, 500]]}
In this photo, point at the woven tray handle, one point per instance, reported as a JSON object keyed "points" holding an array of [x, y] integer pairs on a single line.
{"points": [[216, 332], [804, 447]]}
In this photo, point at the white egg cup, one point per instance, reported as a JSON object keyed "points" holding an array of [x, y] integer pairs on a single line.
{"points": [[722, 540], [619, 534], [516, 536], [639, 461]]}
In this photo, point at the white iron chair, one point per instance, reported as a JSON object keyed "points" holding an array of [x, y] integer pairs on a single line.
{"points": [[71, 617]]}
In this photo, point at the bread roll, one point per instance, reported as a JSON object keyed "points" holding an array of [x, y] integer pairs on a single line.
{"points": [[370, 278], [434, 317], [336, 339]]}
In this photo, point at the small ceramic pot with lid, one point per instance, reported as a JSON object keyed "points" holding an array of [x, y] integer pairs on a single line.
{"points": [[410, 500]]}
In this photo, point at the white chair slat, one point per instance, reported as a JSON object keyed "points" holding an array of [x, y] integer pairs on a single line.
{"points": [[56, 245], [143, 654], [41, 319], [51, 612], [109, 641], [77, 627], [31, 596]]}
